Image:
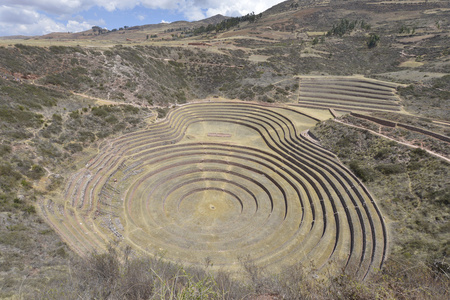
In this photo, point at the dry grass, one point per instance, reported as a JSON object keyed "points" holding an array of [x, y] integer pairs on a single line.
{"points": [[120, 274]]}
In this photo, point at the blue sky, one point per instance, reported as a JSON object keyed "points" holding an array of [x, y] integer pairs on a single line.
{"points": [[130, 17], [38, 17]]}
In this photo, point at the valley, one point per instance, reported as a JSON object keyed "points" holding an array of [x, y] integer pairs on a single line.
{"points": [[311, 140]]}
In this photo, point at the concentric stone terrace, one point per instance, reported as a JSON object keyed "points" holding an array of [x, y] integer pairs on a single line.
{"points": [[223, 180], [347, 93]]}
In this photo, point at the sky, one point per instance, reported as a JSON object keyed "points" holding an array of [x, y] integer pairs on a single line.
{"points": [[39, 17]]}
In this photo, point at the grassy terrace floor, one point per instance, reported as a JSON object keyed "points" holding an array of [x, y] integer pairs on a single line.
{"points": [[223, 180]]}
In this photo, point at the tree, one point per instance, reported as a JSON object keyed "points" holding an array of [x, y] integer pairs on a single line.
{"points": [[373, 40]]}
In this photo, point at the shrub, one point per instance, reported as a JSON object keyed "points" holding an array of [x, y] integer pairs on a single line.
{"points": [[7, 170], [26, 185], [22, 118], [382, 153], [111, 119], [365, 173], [343, 27], [162, 112], [48, 150], [389, 169], [75, 78], [73, 147], [114, 274], [419, 152], [29, 209], [99, 112], [84, 136], [36, 172], [5, 149], [130, 109], [32, 96], [55, 182], [74, 114], [119, 274], [108, 53], [373, 40], [440, 197]]}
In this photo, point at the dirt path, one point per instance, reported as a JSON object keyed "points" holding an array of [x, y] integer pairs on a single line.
{"points": [[403, 143], [442, 123]]}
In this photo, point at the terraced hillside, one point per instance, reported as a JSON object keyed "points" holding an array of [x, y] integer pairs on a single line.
{"points": [[347, 94], [218, 181]]}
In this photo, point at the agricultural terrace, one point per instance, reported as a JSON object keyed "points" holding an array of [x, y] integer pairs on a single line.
{"points": [[346, 94], [222, 180]]}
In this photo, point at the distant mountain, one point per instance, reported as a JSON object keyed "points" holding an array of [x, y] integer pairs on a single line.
{"points": [[161, 27], [293, 5], [15, 37]]}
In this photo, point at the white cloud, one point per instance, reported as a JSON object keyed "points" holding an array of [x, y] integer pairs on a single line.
{"points": [[75, 26], [141, 18], [239, 8], [10, 15], [199, 9], [161, 4], [165, 22], [192, 12], [56, 7], [28, 22], [31, 17]]}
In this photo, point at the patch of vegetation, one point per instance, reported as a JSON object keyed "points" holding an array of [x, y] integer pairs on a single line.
{"points": [[65, 50], [73, 147], [36, 172], [373, 40], [39, 96], [27, 243], [346, 26], [19, 117], [429, 99], [121, 274], [411, 186], [407, 29], [225, 24], [33, 148], [399, 133], [76, 78], [365, 173], [162, 112]]}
